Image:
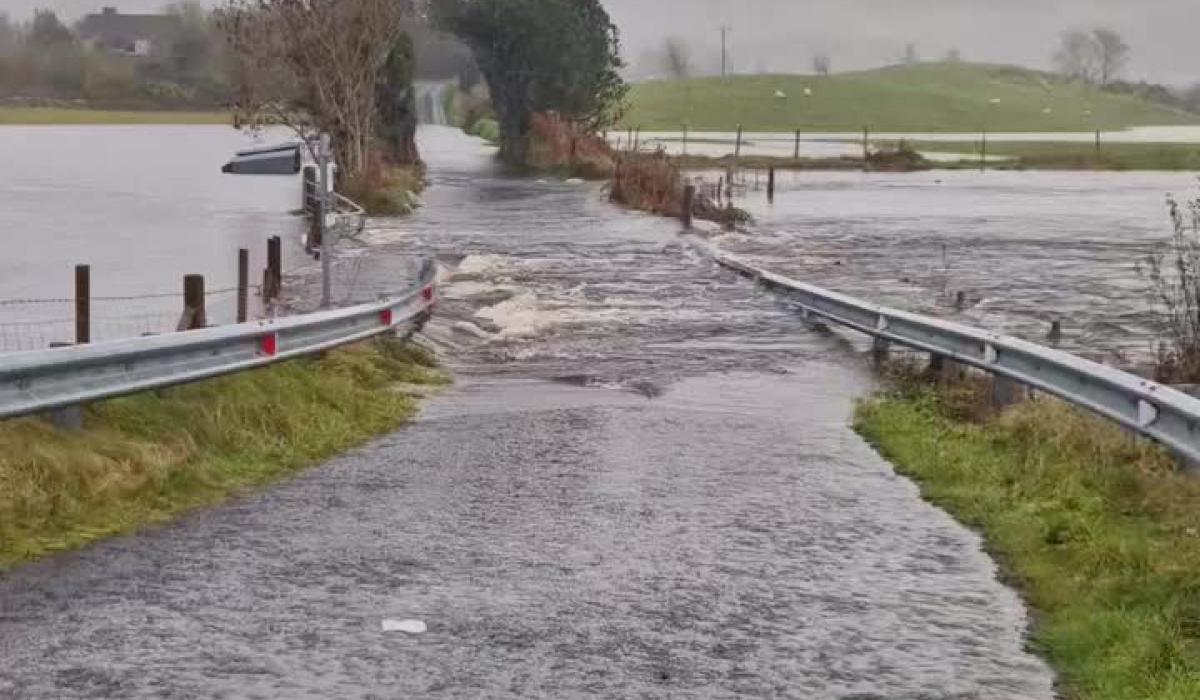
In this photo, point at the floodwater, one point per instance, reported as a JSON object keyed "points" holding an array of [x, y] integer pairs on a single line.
{"points": [[1025, 249], [643, 485], [835, 144], [143, 205]]}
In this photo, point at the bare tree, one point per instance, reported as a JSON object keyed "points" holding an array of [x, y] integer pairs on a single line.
{"points": [[1111, 54], [954, 56], [314, 65], [822, 64], [677, 58], [1076, 56]]}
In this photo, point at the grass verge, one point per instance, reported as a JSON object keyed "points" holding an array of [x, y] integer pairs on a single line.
{"points": [[58, 115], [146, 458], [1098, 530]]}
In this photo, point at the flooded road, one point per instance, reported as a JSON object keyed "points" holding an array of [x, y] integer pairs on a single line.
{"points": [[643, 485]]}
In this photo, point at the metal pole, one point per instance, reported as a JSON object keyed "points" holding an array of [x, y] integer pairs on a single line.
{"points": [[323, 205]]}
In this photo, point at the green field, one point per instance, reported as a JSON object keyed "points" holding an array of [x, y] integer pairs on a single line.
{"points": [[58, 115], [1098, 532], [937, 97]]}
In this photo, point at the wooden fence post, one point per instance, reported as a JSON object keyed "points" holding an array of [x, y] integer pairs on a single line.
{"points": [[737, 150], [771, 184], [83, 304], [689, 199], [866, 143], [194, 315], [243, 285], [983, 152], [796, 153], [277, 265]]}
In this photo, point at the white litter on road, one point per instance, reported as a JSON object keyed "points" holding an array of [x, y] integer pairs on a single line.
{"points": [[406, 626]]}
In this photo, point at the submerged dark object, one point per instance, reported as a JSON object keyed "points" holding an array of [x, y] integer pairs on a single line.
{"points": [[274, 160]]}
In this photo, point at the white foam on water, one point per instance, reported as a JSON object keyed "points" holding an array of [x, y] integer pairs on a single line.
{"points": [[405, 626], [481, 265], [521, 316]]}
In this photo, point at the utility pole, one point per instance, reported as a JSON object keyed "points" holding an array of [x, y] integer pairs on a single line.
{"points": [[322, 208], [724, 53]]}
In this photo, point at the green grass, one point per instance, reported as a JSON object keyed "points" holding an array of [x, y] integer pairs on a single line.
{"points": [[925, 97], [146, 458], [56, 115], [1082, 156], [1096, 530]]}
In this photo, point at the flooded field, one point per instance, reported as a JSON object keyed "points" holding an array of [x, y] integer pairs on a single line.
{"points": [[836, 144], [1024, 248], [143, 205]]}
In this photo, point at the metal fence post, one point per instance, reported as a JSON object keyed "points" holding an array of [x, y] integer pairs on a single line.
{"points": [[771, 184]]}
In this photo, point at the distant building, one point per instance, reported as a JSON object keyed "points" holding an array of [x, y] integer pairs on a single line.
{"points": [[135, 35]]}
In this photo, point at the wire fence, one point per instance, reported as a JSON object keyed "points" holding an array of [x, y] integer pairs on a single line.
{"points": [[37, 323]]}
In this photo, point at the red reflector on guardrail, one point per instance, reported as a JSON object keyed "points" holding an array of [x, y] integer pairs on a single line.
{"points": [[385, 317], [270, 345], [427, 294]]}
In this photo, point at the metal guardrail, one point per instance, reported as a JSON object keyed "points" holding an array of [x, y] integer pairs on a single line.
{"points": [[43, 380], [1153, 410]]}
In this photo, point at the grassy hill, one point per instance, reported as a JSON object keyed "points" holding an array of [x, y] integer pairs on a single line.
{"points": [[922, 97]]}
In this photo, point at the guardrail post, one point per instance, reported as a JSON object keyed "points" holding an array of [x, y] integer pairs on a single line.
{"points": [[879, 351], [67, 417], [944, 370], [689, 200], [83, 304], [194, 315], [243, 285], [1005, 392], [771, 184]]}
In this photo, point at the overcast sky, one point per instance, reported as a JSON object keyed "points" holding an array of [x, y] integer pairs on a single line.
{"points": [[782, 35]]}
